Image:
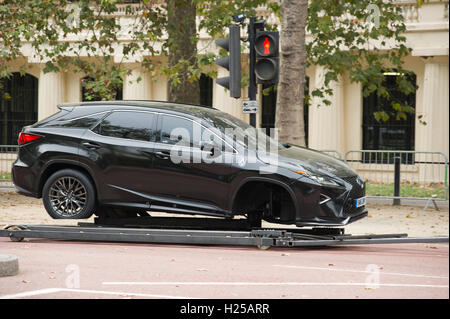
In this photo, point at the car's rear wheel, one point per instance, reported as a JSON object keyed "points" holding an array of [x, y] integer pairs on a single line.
{"points": [[69, 194]]}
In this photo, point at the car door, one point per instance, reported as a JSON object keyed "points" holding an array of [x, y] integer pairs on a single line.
{"points": [[179, 173], [119, 149]]}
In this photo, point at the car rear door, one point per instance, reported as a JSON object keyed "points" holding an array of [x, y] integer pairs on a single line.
{"points": [[119, 150]]}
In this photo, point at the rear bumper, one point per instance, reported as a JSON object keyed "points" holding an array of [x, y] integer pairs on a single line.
{"points": [[23, 179]]}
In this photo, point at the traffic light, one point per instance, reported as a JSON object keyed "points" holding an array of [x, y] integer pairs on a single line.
{"points": [[267, 61], [233, 62]]}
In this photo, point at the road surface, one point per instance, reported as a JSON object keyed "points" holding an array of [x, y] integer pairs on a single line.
{"points": [[69, 269]]}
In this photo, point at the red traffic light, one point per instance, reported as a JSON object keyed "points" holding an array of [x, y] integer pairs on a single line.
{"points": [[266, 44]]}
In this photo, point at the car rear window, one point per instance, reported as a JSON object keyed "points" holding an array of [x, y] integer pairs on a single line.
{"points": [[129, 125], [70, 120]]}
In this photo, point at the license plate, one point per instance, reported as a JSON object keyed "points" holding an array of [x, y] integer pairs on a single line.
{"points": [[360, 202]]}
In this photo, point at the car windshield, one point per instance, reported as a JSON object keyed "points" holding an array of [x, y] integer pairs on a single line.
{"points": [[242, 133]]}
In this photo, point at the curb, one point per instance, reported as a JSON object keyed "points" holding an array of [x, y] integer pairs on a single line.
{"points": [[9, 265]]}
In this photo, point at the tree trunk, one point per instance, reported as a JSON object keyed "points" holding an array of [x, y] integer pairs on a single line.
{"points": [[181, 30], [290, 95]]}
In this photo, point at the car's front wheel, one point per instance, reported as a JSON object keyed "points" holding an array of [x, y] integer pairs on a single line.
{"points": [[69, 194]]}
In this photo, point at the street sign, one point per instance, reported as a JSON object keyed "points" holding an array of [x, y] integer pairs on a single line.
{"points": [[249, 106]]}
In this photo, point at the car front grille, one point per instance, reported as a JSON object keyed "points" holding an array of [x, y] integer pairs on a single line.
{"points": [[356, 192]]}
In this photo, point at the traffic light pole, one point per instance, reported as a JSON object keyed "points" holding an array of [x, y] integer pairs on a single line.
{"points": [[252, 88]]}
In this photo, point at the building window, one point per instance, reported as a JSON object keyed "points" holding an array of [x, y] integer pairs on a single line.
{"points": [[394, 134], [269, 101], [84, 91], [206, 90], [18, 106]]}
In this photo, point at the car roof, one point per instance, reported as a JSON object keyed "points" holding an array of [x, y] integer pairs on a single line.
{"points": [[141, 103], [188, 109], [204, 114]]}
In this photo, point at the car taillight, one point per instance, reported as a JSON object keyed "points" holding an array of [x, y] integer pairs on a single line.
{"points": [[26, 138]]}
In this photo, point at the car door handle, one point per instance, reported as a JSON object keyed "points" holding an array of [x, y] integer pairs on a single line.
{"points": [[91, 145], [163, 154]]}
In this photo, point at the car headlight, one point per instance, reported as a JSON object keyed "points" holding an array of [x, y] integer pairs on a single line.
{"points": [[322, 180]]}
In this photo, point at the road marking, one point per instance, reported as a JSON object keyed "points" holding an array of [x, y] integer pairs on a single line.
{"points": [[57, 290], [221, 283], [31, 293], [361, 271]]}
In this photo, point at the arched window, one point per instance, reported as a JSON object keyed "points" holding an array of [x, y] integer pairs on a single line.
{"points": [[119, 91], [393, 134], [18, 106]]}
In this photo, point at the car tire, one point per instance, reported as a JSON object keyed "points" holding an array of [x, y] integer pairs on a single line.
{"points": [[69, 194]]}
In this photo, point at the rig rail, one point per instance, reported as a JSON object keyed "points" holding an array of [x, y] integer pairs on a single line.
{"points": [[263, 238]]}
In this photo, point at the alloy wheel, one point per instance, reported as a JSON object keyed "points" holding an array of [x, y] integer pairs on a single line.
{"points": [[68, 196]]}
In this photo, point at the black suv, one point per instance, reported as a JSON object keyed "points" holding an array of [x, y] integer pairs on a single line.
{"points": [[127, 158]]}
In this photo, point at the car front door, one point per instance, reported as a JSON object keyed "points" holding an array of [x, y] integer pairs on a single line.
{"points": [[179, 172]]}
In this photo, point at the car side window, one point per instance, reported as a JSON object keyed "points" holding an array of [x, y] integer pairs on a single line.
{"points": [[180, 131], [129, 125], [184, 132], [82, 122]]}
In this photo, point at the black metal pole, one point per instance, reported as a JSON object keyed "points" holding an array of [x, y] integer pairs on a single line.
{"points": [[252, 88], [397, 161]]}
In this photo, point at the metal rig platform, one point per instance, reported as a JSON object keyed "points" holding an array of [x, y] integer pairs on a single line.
{"points": [[203, 231]]}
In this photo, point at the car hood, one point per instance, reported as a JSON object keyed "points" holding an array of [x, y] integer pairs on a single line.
{"points": [[301, 158]]}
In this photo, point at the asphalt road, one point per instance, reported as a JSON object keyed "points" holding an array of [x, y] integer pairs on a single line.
{"points": [[63, 269]]}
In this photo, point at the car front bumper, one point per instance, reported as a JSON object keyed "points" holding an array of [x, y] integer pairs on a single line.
{"points": [[329, 206], [331, 222]]}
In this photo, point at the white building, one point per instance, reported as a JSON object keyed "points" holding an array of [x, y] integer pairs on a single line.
{"points": [[343, 126]]}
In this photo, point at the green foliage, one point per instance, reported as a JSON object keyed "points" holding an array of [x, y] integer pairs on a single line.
{"points": [[83, 38], [346, 43]]}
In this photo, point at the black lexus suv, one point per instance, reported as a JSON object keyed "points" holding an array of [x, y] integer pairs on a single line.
{"points": [[128, 158]]}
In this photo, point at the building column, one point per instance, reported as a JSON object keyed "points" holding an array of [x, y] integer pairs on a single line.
{"points": [[326, 123], [160, 89], [434, 109], [134, 89], [353, 107], [73, 87], [51, 93]]}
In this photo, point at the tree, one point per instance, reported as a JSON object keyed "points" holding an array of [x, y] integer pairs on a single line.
{"points": [[344, 40], [97, 47], [289, 110], [182, 43]]}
